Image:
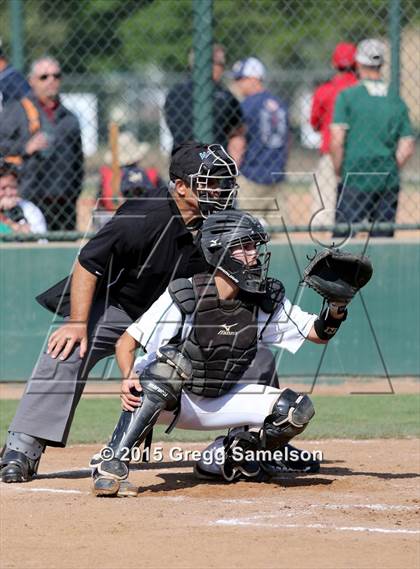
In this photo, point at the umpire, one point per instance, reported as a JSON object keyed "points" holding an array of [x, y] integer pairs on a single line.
{"points": [[118, 275]]}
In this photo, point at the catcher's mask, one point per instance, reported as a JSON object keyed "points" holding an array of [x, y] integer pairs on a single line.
{"points": [[235, 242], [210, 172]]}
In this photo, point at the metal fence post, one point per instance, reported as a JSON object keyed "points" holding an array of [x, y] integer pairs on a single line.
{"points": [[16, 24], [395, 37], [202, 70]]}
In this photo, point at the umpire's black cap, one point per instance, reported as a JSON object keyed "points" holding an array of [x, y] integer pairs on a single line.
{"points": [[186, 160]]}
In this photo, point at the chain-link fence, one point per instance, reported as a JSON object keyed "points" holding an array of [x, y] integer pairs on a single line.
{"points": [[132, 74]]}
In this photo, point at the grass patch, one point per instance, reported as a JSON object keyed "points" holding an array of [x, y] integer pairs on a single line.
{"points": [[347, 416], [365, 417]]}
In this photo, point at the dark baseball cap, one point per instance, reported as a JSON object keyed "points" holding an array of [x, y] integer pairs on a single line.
{"points": [[134, 180], [7, 168], [186, 160]]}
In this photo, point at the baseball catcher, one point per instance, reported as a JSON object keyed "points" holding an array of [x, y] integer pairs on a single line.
{"points": [[202, 334]]}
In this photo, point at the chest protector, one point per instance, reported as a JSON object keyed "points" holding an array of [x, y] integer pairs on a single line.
{"points": [[224, 337]]}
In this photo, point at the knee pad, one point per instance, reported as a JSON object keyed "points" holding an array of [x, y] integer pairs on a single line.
{"points": [[164, 377], [290, 417]]}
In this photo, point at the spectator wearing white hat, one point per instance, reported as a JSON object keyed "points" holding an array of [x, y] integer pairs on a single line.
{"points": [[263, 158], [371, 140]]}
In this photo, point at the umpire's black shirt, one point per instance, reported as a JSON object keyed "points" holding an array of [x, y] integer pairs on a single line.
{"points": [[139, 251]]}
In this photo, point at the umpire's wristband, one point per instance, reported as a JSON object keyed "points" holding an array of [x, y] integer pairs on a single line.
{"points": [[326, 325]]}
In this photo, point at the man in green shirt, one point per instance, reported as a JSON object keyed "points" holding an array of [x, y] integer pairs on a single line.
{"points": [[371, 140]]}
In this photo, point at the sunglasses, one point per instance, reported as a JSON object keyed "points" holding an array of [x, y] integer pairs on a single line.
{"points": [[45, 76]]}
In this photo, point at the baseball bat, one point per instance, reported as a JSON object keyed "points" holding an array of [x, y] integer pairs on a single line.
{"points": [[113, 132]]}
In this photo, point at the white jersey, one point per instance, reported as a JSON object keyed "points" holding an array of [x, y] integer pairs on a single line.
{"points": [[243, 404], [287, 329]]}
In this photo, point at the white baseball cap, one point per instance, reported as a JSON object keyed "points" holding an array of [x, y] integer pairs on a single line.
{"points": [[371, 53], [249, 67]]}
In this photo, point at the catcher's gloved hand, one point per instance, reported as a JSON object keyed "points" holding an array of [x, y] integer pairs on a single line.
{"points": [[336, 275]]}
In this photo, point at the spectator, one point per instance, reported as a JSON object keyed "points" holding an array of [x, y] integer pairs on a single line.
{"points": [[227, 124], [343, 60], [13, 85], [131, 152], [263, 156], [135, 183], [45, 136], [371, 140], [17, 215]]}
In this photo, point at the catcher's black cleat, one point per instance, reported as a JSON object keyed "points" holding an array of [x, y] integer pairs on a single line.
{"points": [[105, 486], [16, 467], [237, 464], [95, 460], [294, 460], [127, 490], [202, 474], [113, 468]]}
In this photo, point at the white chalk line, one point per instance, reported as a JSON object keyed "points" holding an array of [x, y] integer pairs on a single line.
{"points": [[239, 501], [377, 507], [51, 490], [255, 520], [250, 522]]}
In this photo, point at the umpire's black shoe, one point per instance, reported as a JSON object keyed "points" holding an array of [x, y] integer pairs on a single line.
{"points": [[16, 467], [294, 460]]}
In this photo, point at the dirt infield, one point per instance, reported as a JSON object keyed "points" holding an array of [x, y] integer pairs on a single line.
{"points": [[95, 389], [360, 511]]}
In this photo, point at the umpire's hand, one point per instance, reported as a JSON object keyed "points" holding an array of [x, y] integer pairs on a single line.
{"points": [[63, 340]]}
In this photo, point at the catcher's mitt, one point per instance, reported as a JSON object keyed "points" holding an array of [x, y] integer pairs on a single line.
{"points": [[336, 275]]}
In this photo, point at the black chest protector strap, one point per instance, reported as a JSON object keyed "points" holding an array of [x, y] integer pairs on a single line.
{"points": [[200, 294], [182, 293]]}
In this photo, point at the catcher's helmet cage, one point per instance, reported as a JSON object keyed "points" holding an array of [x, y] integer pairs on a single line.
{"points": [[226, 229]]}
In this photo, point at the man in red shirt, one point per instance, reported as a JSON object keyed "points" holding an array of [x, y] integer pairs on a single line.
{"points": [[343, 59]]}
